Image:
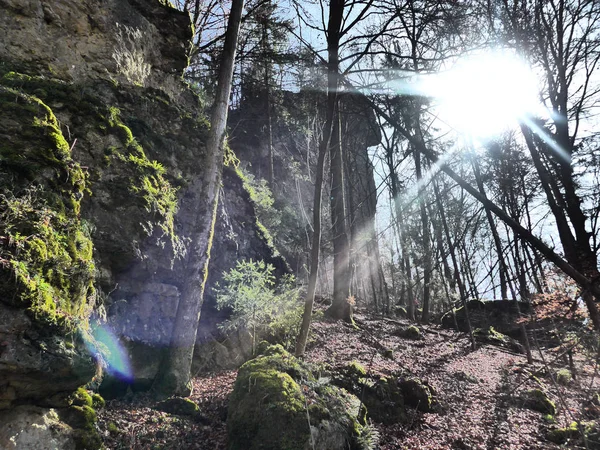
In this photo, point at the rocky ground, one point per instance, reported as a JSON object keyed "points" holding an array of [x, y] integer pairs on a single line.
{"points": [[480, 394]]}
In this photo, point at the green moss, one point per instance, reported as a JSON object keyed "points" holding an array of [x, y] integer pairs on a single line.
{"points": [[97, 401], [147, 179], [400, 311], [564, 377], [491, 336], [274, 350], [113, 428], [264, 395], [81, 397], [538, 400], [412, 332], [563, 435], [178, 406], [46, 252], [355, 369]]}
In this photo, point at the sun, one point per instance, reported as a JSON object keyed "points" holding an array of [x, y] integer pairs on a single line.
{"points": [[485, 94]]}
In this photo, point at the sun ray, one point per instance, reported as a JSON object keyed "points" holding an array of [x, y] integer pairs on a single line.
{"points": [[544, 135]]}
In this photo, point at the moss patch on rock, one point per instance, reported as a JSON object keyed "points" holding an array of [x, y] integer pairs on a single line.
{"points": [[97, 401], [45, 250], [572, 434], [147, 178], [538, 400], [81, 397], [83, 421], [489, 335], [178, 406], [412, 332]]}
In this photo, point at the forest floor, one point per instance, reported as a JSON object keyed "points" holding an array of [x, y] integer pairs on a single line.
{"points": [[478, 393]]}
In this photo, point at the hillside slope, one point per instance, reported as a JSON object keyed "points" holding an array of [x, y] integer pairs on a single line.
{"points": [[480, 395]]}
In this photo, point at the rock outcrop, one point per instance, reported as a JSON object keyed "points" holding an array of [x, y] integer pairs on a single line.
{"points": [[99, 135]]}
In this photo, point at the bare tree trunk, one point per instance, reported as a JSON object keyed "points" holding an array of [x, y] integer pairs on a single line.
{"points": [[340, 307], [452, 252], [425, 237], [334, 26], [174, 374], [269, 124]]}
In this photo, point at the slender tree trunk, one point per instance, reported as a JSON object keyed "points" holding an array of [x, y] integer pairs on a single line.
{"points": [[426, 239], [269, 124], [334, 25], [452, 252], [340, 307], [174, 374]]}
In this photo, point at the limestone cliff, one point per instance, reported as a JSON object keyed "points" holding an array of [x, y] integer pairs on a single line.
{"points": [[98, 137]]}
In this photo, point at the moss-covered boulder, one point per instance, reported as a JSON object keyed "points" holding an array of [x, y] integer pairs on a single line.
{"points": [[489, 335], [417, 394], [384, 401], [381, 396], [574, 435], [178, 406], [279, 403], [82, 419], [411, 332], [81, 397], [564, 377], [400, 311], [538, 400]]}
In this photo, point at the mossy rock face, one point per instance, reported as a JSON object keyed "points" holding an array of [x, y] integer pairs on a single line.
{"points": [[45, 245], [417, 394], [538, 400], [272, 397]]}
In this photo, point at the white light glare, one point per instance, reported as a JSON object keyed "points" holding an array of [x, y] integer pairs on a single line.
{"points": [[485, 94]]}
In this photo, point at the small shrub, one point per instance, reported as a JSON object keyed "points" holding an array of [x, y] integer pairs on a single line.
{"points": [[258, 303]]}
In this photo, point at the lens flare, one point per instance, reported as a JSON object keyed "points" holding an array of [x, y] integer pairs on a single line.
{"points": [[107, 347]]}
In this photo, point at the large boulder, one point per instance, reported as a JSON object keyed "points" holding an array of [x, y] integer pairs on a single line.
{"points": [[33, 428], [279, 403]]}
